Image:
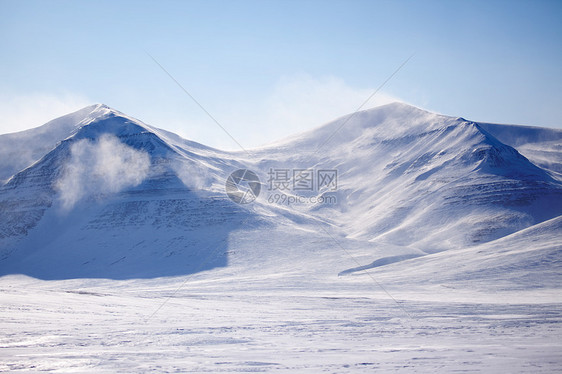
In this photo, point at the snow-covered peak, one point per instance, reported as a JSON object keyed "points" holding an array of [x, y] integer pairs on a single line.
{"points": [[399, 109], [104, 120], [21, 149], [384, 122], [99, 109], [100, 120]]}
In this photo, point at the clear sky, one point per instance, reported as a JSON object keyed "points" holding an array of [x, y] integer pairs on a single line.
{"points": [[266, 69]]}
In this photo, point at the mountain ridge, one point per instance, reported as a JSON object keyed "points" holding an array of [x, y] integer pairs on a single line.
{"points": [[408, 179]]}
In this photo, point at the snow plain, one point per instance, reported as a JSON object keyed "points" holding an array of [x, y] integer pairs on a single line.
{"points": [[443, 252]]}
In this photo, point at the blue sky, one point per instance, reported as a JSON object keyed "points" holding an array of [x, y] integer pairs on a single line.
{"points": [[267, 69]]}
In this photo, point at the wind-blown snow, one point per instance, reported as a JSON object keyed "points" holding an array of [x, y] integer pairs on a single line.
{"points": [[193, 176], [102, 166], [21, 149]]}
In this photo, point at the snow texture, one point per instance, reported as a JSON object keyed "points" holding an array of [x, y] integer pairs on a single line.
{"points": [[441, 249]]}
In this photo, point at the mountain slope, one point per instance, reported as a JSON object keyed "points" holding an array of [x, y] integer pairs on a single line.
{"points": [[414, 178], [113, 200], [21, 149], [120, 199], [527, 259], [542, 146]]}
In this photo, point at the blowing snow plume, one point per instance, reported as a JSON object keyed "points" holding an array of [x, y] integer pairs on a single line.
{"points": [[100, 167]]}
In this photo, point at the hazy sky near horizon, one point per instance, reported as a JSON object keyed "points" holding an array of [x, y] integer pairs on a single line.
{"points": [[268, 69]]}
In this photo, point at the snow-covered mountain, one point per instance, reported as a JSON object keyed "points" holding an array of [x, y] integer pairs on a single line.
{"points": [[434, 245], [97, 193], [115, 189], [415, 178]]}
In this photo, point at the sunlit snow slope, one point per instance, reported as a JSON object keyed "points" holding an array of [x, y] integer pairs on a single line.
{"points": [[415, 178]]}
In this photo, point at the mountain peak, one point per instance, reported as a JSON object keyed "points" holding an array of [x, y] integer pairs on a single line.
{"points": [[96, 110], [100, 110], [103, 119], [398, 106], [387, 121]]}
